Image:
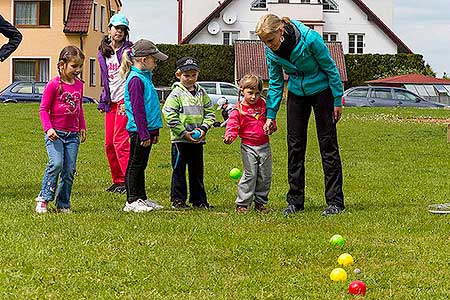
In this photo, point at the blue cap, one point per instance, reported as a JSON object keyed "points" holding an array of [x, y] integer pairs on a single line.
{"points": [[119, 20]]}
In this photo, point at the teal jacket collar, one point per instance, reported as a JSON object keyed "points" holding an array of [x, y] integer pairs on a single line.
{"points": [[296, 52]]}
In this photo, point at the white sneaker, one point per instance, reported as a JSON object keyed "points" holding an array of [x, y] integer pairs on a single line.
{"points": [[41, 205], [63, 210], [153, 204], [137, 206]]}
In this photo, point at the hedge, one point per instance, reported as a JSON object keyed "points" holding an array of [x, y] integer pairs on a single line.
{"points": [[216, 62], [364, 67]]}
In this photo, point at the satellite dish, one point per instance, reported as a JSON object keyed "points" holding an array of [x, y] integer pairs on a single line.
{"points": [[213, 27], [229, 17]]}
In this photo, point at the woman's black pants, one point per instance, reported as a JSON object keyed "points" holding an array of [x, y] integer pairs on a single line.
{"points": [[298, 112]]}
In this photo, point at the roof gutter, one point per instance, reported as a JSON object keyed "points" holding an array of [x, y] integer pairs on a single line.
{"points": [[180, 21]]}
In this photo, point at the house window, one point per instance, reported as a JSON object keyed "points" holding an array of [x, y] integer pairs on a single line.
{"points": [[229, 37], [32, 13], [92, 72], [330, 36], [284, 1], [355, 43], [95, 8], [330, 5], [30, 69], [305, 1], [259, 4], [252, 35], [102, 18]]}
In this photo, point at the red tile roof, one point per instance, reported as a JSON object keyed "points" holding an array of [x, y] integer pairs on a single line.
{"points": [[79, 16], [410, 78], [250, 58], [337, 53], [401, 47]]}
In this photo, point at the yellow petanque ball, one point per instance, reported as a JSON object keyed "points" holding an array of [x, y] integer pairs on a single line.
{"points": [[345, 260], [338, 275]]}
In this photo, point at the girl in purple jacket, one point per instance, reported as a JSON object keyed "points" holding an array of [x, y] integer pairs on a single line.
{"points": [[111, 102]]}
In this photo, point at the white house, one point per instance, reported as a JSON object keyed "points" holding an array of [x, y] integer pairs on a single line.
{"points": [[354, 23]]}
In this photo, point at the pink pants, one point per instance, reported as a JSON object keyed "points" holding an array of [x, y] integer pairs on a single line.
{"points": [[117, 143]]}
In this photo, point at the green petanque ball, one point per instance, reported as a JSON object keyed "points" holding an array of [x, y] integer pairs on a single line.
{"points": [[337, 241], [235, 173]]}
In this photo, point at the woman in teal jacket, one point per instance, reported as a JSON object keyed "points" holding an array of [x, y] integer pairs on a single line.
{"points": [[314, 83]]}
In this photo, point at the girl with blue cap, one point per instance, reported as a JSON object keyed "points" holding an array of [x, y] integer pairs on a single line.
{"points": [[111, 102]]}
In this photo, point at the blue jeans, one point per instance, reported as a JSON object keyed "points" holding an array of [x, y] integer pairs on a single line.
{"points": [[62, 158]]}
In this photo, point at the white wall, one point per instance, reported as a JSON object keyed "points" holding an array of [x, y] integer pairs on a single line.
{"points": [[350, 19]]}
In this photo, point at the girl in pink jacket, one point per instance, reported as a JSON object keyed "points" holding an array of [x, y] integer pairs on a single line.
{"points": [[246, 121], [64, 126]]}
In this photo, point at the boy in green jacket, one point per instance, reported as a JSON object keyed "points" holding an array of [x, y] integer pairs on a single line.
{"points": [[189, 114]]}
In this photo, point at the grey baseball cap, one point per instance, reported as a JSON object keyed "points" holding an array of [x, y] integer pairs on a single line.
{"points": [[144, 48]]}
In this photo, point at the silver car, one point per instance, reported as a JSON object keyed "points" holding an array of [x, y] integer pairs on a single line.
{"points": [[383, 96], [217, 90]]}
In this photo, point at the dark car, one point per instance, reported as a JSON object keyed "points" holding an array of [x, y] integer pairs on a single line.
{"points": [[382, 96], [28, 91]]}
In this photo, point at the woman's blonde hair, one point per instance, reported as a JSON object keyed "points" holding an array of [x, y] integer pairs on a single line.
{"points": [[251, 81], [269, 24]]}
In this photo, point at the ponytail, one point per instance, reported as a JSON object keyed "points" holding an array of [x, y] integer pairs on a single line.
{"points": [[125, 66], [105, 47]]}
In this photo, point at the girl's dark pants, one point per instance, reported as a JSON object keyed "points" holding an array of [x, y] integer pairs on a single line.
{"points": [[298, 112], [191, 155], [135, 175]]}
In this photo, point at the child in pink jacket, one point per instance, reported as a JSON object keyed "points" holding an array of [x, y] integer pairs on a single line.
{"points": [[62, 117], [247, 121]]}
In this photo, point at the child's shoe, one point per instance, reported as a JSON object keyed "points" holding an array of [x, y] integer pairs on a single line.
{"points": [[120, 189], [180, 205], [241, 209], [206, 206], [63, 210], [259, 207], [137, 206], [41, 205], [155, 205]]}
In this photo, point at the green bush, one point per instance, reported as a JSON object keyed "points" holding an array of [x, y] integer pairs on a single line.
{"points": [[361, 68], [216, 62]]}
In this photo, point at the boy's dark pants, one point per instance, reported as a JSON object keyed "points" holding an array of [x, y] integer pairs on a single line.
{"points": [[135, 175], [298, 112], [191, 155]]}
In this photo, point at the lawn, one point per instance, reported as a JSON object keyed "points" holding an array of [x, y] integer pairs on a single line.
{"points": [[393, 168]]}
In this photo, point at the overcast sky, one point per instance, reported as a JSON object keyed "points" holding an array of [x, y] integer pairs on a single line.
{"points": [[424, 26]]}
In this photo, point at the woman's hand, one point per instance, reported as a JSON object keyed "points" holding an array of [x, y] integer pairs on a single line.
{"points": [[269, 127], [337, 113]]}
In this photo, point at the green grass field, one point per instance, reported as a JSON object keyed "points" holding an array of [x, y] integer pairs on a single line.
{"points": [[393, 168]]}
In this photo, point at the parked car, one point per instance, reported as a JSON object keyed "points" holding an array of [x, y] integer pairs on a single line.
{"points": [[217, 90], [383, 96], [28, 91]]}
